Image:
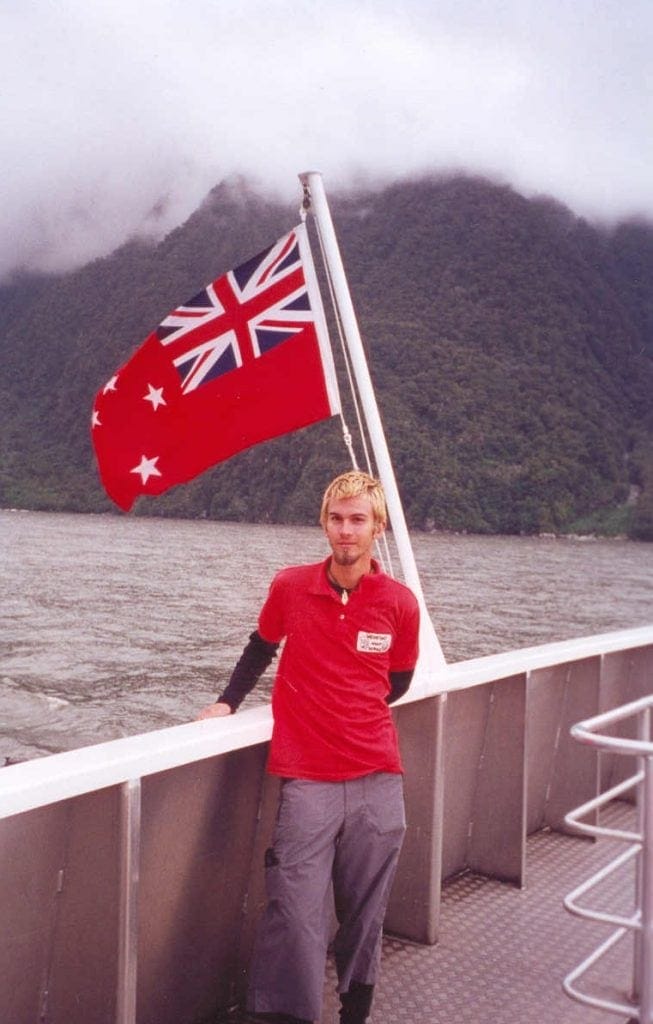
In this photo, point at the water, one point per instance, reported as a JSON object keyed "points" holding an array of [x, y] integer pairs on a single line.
{"points": [[112, 626]]}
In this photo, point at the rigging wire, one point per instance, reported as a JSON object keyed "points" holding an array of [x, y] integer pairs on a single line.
{"points": [[346, 433]]}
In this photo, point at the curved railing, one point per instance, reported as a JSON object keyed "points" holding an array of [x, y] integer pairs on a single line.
{"points": [[639, 847]]}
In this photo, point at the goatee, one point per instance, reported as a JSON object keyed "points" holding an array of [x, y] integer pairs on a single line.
{"points": [[345, 557]]}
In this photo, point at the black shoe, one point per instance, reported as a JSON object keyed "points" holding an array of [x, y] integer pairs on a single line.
{"points": [[356, 1004]]}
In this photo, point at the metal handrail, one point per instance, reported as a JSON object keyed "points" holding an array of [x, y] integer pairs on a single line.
{"points": [[47, 780], [640, 847]]}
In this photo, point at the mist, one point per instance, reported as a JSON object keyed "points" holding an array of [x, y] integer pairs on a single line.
{"points": [[119, 118]]}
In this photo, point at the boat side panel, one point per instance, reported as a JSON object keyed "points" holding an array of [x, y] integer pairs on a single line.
{"points": [[465, 724], [414, 907], [574, 778], [32, 853], [497, 845], [626, 676], [197, 842], [545, 703], [640, 676], [617, 679], [256, 895], [59, 894], [84, 961]]}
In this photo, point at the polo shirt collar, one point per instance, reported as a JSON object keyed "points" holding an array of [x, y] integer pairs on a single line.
{"points": [[320, 581]]}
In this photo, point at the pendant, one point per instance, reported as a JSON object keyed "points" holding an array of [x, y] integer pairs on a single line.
{"points": [[344, 596]]}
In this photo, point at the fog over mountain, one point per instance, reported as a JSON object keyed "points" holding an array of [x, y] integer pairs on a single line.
{"points": [[119, 117]]}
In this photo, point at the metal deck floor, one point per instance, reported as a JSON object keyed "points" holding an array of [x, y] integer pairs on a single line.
{"points": [[503, 952]]}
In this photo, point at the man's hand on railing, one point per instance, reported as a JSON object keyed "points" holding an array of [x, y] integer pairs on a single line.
{"points": [[217, 710]]}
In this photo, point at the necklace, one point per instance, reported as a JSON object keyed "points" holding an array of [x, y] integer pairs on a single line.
{"points": [[343, 591]]}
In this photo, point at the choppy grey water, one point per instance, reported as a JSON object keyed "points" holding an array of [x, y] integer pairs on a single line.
{"points": [[111, 626]]}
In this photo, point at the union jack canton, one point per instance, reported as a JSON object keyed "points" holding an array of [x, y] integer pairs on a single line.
{"points": [[240, 316]]}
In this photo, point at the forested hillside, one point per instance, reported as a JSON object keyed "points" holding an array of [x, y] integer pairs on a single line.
{"points": [[511, 345]]}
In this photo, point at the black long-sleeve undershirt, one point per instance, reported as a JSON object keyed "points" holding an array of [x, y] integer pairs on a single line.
{"points": [[251, 665], [256, 657], [399, 683]]}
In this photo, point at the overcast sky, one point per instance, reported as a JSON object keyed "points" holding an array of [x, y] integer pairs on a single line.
{"points": [[115, 109]]}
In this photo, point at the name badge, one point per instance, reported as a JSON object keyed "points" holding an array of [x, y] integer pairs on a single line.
{"points": [[373, 643]]}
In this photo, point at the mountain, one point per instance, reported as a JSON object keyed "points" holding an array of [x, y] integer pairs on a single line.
{"points": [[510, 343]]}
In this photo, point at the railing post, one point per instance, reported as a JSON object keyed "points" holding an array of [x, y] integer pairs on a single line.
{"points": [[642, 734], [644, 948], [130, 847]]}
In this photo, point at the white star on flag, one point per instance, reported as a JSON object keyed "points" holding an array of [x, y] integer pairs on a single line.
{"points": [[147, 468], [155, 396], [110, 384], [95, 421]]}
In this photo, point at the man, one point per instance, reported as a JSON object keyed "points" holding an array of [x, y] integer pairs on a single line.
{"points": [[350, 650]]}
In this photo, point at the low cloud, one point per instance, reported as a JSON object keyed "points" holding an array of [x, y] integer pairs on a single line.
{"points": [[119, 117]]}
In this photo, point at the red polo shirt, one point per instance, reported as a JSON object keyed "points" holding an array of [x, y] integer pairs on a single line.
{"points": [[331, 720]]}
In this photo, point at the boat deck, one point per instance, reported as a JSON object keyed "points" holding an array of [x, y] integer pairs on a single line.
{"points": [[504, 951]]}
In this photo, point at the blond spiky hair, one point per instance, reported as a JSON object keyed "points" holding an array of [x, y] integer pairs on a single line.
{"points": [[352, 485]]}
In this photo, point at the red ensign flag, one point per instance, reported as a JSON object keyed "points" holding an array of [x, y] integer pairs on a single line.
{"points": [[246, 359]]}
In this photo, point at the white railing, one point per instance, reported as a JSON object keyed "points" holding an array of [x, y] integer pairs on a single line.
{"points": [[46, 780], [639, 848]]}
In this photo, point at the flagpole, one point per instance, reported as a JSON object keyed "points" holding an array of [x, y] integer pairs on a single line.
{"points": [[312, 182]]}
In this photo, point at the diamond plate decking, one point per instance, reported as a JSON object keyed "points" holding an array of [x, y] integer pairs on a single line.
{"points": [[503, 952]]}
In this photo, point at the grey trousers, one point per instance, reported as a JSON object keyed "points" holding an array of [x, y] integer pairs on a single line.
{"points": [[335, 846]]}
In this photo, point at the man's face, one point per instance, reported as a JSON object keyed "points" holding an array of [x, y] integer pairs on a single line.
{"points": [[351, 529]]}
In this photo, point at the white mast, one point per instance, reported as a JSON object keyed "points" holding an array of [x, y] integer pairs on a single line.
{"points": [[312, 182]]}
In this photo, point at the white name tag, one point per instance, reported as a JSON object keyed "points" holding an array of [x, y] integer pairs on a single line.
{"points": [[373, 643]]}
